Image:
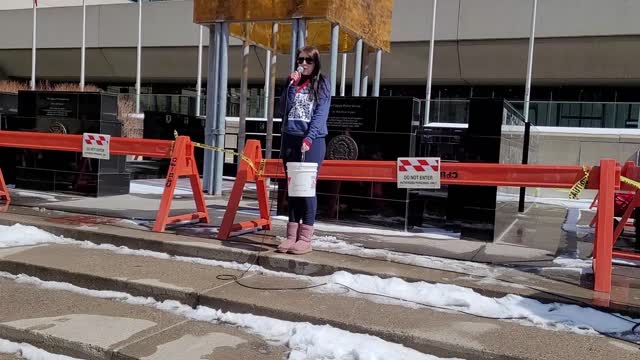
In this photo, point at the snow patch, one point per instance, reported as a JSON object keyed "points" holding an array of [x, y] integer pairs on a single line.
{"points": [[137, 188], [332, 244], [428, 233], [555, 316], [29, 352], [37, 195], [21, 235], [305, 340]]}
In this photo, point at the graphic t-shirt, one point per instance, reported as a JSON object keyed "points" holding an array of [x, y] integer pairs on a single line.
{"points": [[302, 109]]}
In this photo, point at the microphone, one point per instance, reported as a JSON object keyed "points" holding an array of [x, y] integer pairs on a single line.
{"points": [[299, 70]]}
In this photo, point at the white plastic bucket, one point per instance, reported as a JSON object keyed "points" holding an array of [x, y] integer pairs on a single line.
{"points": [[302, 179]]}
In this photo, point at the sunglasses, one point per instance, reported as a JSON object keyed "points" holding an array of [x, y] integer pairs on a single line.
{"points": [[308, 60]]}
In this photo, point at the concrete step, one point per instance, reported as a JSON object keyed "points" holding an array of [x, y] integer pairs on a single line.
{"points": [[63, 322], [442, 334], [498, 281]]}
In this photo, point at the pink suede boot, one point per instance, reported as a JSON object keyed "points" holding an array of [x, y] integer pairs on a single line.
{"points": [[292, 237], [303, 245]]}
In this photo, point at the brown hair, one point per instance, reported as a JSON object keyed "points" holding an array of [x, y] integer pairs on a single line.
{"points": [[317, 79]]}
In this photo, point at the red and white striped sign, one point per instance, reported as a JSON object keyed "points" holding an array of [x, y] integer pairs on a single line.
{"points": [[418, 173], [95, 146], [91, 139]]}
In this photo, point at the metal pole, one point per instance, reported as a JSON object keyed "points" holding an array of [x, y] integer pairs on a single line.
{"points": [[376, 80], [357, 69], [430, 70], [272, 89], [302, 32], [199, 81], [532, 35], [364, 87], [343, 77], [84, 40], [33, 46], [242, 123], [212, 103], [139, 56], [222, 108], [294, 43], [335, 31], [267, 81]]}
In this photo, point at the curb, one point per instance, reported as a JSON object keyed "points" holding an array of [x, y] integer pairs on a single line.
{"points": [[269, 260], [70, 348]]}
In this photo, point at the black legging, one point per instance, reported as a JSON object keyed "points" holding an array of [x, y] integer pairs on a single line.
{"points": [[302, 208]]}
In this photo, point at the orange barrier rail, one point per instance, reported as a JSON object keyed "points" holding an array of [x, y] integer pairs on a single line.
{"points": [[4, 193], [180, 152]]}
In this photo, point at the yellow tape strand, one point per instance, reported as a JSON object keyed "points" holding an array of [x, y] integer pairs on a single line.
{"points": [[231, 152], [578, 187], [628, 181]]}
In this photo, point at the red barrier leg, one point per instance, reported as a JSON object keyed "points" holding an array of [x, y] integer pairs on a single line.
{"points": [[247, 173], [4, 194], [183, 163], [603, 244]]}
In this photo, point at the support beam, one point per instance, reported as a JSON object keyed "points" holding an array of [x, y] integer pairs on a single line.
{"points": [[376, 80], [302, 33], [244, 88], [364, 87], [294, 43], [212, 104], [267, 82], [222, 108], [357, 69], [272, 89], [335, 31], [199, 81], [343, 77]]}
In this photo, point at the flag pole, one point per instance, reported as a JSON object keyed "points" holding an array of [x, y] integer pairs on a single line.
{"points": [[33, 46], [199, 80], [139, 56], [84, 40], [532, 37], [427, 108]]}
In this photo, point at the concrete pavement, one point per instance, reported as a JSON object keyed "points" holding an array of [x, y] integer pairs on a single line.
{"points": [[498, 281], [439, 333], [90, 328]]}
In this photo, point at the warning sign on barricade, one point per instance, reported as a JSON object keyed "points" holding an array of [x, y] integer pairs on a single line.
{"points": [[95, 146], [418, 173]]}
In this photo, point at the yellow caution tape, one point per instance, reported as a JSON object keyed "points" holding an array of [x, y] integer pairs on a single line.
{"points": [[579, 186], [628, 181], [245, 158]]}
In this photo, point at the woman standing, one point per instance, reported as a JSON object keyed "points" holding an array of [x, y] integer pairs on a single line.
{"points": [[304, 107]]}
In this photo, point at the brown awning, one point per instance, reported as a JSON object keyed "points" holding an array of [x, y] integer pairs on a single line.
{"points": [[369, 20]]}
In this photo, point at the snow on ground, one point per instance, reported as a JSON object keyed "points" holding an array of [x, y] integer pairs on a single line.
{"points": [[429, 233], [37, 195], [332, 244], [531, 312], [571, 223], [306, 341], [553, 316], [29, 352], [138, 188], [21, 235]]}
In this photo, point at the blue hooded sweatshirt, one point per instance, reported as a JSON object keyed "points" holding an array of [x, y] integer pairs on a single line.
{"points": [[304, 114]]}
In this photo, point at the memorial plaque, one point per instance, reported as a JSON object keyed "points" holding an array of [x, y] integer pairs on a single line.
{"points": [[347, 114], [365, 128], [57, 105], [62, 171]]}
